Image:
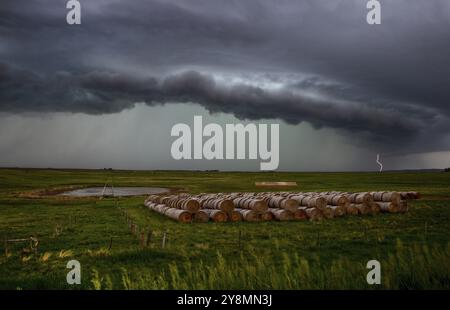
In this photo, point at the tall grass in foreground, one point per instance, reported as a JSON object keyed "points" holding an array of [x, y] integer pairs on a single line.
{"points": [[412, 267]]}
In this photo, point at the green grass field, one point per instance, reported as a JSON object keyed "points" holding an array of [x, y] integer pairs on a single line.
{"points": [[413, 248]]}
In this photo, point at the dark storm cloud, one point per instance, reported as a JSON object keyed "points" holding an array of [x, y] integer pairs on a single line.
{"points": [[103, 92], [385, 83]]}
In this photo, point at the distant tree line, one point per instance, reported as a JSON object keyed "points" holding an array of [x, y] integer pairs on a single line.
{"points": [[447, 170]]}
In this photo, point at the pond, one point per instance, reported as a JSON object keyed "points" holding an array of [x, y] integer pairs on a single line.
{"points": [[118, 191]]}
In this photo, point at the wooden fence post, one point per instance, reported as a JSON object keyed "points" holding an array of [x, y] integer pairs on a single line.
{"points": [[163, 245], [110, 243], [239, 239], [149, 238], [142, 239]]}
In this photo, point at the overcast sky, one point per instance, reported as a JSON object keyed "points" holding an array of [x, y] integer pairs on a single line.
{"points": [[107, 92]]}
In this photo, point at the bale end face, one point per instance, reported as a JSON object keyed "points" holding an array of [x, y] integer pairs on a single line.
{"points": [[191, 205], [290, 205], [201, 217], [226, 205], [300, 215], [234, 216], [374, 208], [267, 216]]}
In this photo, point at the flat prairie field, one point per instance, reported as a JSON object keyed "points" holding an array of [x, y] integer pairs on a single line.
{"points": [[413, 248]]}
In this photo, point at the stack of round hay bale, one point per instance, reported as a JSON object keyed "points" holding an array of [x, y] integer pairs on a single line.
{"points": [[279, 206], [219, 208], [182, 216]]}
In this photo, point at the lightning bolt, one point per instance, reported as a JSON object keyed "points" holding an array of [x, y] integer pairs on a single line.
{"points": [[379, 163]]}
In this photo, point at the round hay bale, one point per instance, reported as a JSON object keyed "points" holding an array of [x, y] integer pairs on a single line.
{"points": [[300, 215], [362, 198], [337, 200], [267, 216], [179, 215], [328, 212], [226, 205], [281, 214], [313, 214], [316, 202], [289, 204], [338, 211], [234, 216], [249, 215], [258, 205], [283, 203], [162, 199], [388, 207], [351, 209], [244, 202], [374, 208], [190, 205], [362, 209], [377, 196], [391, 197], [217, 216], [201, 217]]}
